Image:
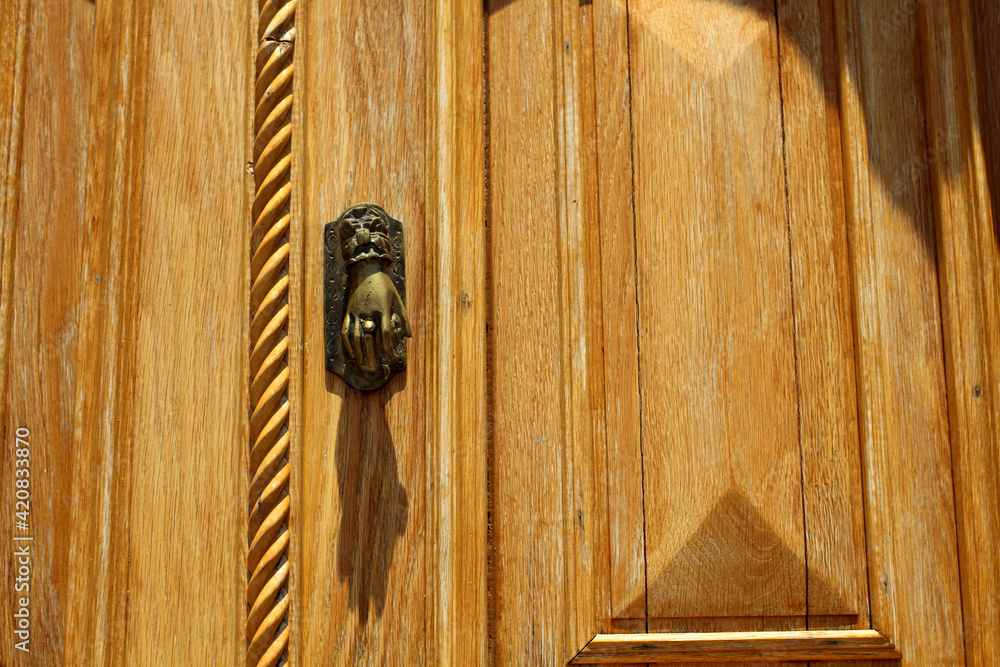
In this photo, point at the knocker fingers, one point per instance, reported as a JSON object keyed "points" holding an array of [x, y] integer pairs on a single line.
{"points": [[359, 357], [345, 335], [388, 344], [405, 329], [363, 343], [368, 338]]}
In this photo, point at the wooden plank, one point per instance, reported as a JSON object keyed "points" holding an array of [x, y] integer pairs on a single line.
{"points": [[456, 289], [599, 544], [739, 624], [188, 514], [14, 31], [362, 494], [46, 226], [579, 292], [528, 428], [718, 385], [969, 283], [727, 624], [621, 352], [910, 521], [542, 474], [833, 500], [820, 645], [102, 445]]}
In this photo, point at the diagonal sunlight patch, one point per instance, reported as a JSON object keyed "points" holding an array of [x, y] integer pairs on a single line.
{"points": [[709, 34]]}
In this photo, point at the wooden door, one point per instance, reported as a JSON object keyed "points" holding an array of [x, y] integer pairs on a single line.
{"points": [[705, 304]]}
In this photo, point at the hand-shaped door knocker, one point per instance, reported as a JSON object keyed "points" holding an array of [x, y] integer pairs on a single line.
{"points": [[365, 297]]}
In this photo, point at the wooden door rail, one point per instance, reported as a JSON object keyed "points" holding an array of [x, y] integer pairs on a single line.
{"points": [[792, 646]]}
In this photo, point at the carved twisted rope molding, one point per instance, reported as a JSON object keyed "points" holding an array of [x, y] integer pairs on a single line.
{"points": [[267, 628]]}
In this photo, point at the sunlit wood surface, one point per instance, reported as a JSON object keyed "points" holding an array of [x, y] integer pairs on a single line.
{"points": [[705, 297]]}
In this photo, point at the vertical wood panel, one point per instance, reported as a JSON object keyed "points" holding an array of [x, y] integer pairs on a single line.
{"points": [[528, 429], [833, 500], [542, 484], [599, 561], [574, 142], [188, 516], [621, 352], [13, 31], [723, 502], [102, 444], [42, 368], [969, 283], [913, 573], [456, 629], [362, 494]]}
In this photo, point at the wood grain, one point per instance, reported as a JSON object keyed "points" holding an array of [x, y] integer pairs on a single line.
{"points": [[738, 646], [969, 284], [598, 582], [579, 293], [621, 352], [187, 576], [542, 489], [912, 566], [46, 226], [362, 501], [102, 446], [804, 283], [724, 520], [833, 501], [833, 498], [14, 31], [529, 432], [456, 631]]}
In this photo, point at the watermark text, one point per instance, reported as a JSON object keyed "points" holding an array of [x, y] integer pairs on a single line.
{"points": [[22, 540]]}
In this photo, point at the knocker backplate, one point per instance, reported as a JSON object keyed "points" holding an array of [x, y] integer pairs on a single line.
{"points": [[337, 288]]}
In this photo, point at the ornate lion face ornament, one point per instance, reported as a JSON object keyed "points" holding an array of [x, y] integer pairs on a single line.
{"points": [[364, 234]]}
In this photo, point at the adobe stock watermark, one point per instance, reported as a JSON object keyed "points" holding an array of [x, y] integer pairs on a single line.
{"points": [[22, 540]]}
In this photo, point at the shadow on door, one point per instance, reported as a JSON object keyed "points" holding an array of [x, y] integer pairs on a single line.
{"points": [[374, 504]]}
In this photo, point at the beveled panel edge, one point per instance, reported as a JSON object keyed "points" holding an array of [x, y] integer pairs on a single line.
{"points": [[790, 646]]}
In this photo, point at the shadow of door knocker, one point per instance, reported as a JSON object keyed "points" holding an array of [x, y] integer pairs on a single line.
{"points": [[364, 284]]}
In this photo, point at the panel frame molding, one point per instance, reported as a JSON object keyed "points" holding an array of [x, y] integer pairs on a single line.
{"points": [[790, 646]]}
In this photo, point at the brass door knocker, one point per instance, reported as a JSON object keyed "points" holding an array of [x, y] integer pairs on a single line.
{"points": [[365, 296]]}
